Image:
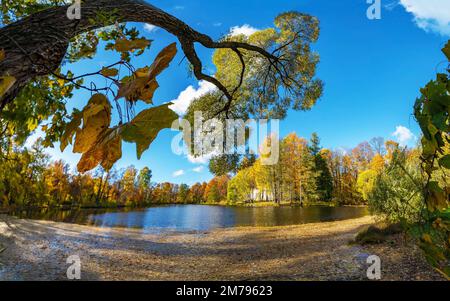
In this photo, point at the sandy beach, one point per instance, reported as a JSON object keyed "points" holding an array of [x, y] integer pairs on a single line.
{"points": [[38, 250]]}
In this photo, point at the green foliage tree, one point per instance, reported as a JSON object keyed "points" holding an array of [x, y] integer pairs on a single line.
{"points": [[324, 180], [432, 112], [395, 193], [366, 183], [144, 183], [224, 164]]}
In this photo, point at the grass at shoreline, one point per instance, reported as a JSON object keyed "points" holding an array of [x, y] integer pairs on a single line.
{"points": [[282, 204], [222, 203]]}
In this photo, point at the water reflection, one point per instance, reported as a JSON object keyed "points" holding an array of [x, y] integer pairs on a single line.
{"points": [[195, 217]]}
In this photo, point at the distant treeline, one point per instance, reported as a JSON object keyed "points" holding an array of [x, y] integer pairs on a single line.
{"points": [[305, 174], [309, 174], [28, 178]]}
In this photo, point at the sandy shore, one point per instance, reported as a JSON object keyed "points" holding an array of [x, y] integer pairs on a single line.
{"points": [[37, 250]]}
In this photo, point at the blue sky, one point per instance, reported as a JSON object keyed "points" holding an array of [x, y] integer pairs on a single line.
{"points": [[372, 70]]}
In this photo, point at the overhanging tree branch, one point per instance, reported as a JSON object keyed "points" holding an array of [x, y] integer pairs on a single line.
{"points": [[44, 38]]}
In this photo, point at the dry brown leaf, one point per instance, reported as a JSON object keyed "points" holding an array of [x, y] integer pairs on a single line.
{"points": [[163, 60], [144, 84], [141, 88]]}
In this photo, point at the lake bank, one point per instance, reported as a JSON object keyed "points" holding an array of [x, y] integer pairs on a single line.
{"points": [[37, 250]]}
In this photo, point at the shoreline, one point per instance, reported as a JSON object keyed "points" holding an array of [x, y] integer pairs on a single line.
{"points": [[38, 250], [249, 205]]}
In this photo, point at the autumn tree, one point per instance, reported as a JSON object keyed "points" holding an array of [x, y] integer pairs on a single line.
{"points": [[241, 188], [129, 184], [377, 144], [22, 174], [57, 180], [183, 194], [197, 192], [216, 190]]}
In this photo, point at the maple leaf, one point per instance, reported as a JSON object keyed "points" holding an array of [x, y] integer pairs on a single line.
{"points": [[106, 151], [142, 85], [96, 119], [145, 127]]}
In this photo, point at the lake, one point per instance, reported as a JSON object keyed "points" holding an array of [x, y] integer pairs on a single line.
{"points": [[196, 217]]}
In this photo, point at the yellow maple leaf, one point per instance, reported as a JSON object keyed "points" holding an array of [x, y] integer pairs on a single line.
{"points": [[96, 119], [2, 54], [106, 151]]}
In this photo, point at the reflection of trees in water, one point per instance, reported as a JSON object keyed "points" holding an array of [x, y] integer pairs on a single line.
{"points": [[192, 217], [281, 216]]}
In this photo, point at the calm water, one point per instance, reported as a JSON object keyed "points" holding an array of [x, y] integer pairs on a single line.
{"points": [[196, 217]]}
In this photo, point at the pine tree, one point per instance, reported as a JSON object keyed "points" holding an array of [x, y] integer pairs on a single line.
{"points": [[323, 178]]}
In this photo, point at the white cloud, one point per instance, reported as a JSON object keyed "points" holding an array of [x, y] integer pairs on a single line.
{"points": [[150, 28], [178, 173], [430, 15], [198, 169], [203, 159], [181, 104], [179, 7], [403, 135], [244, 29], [217, 24]]}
